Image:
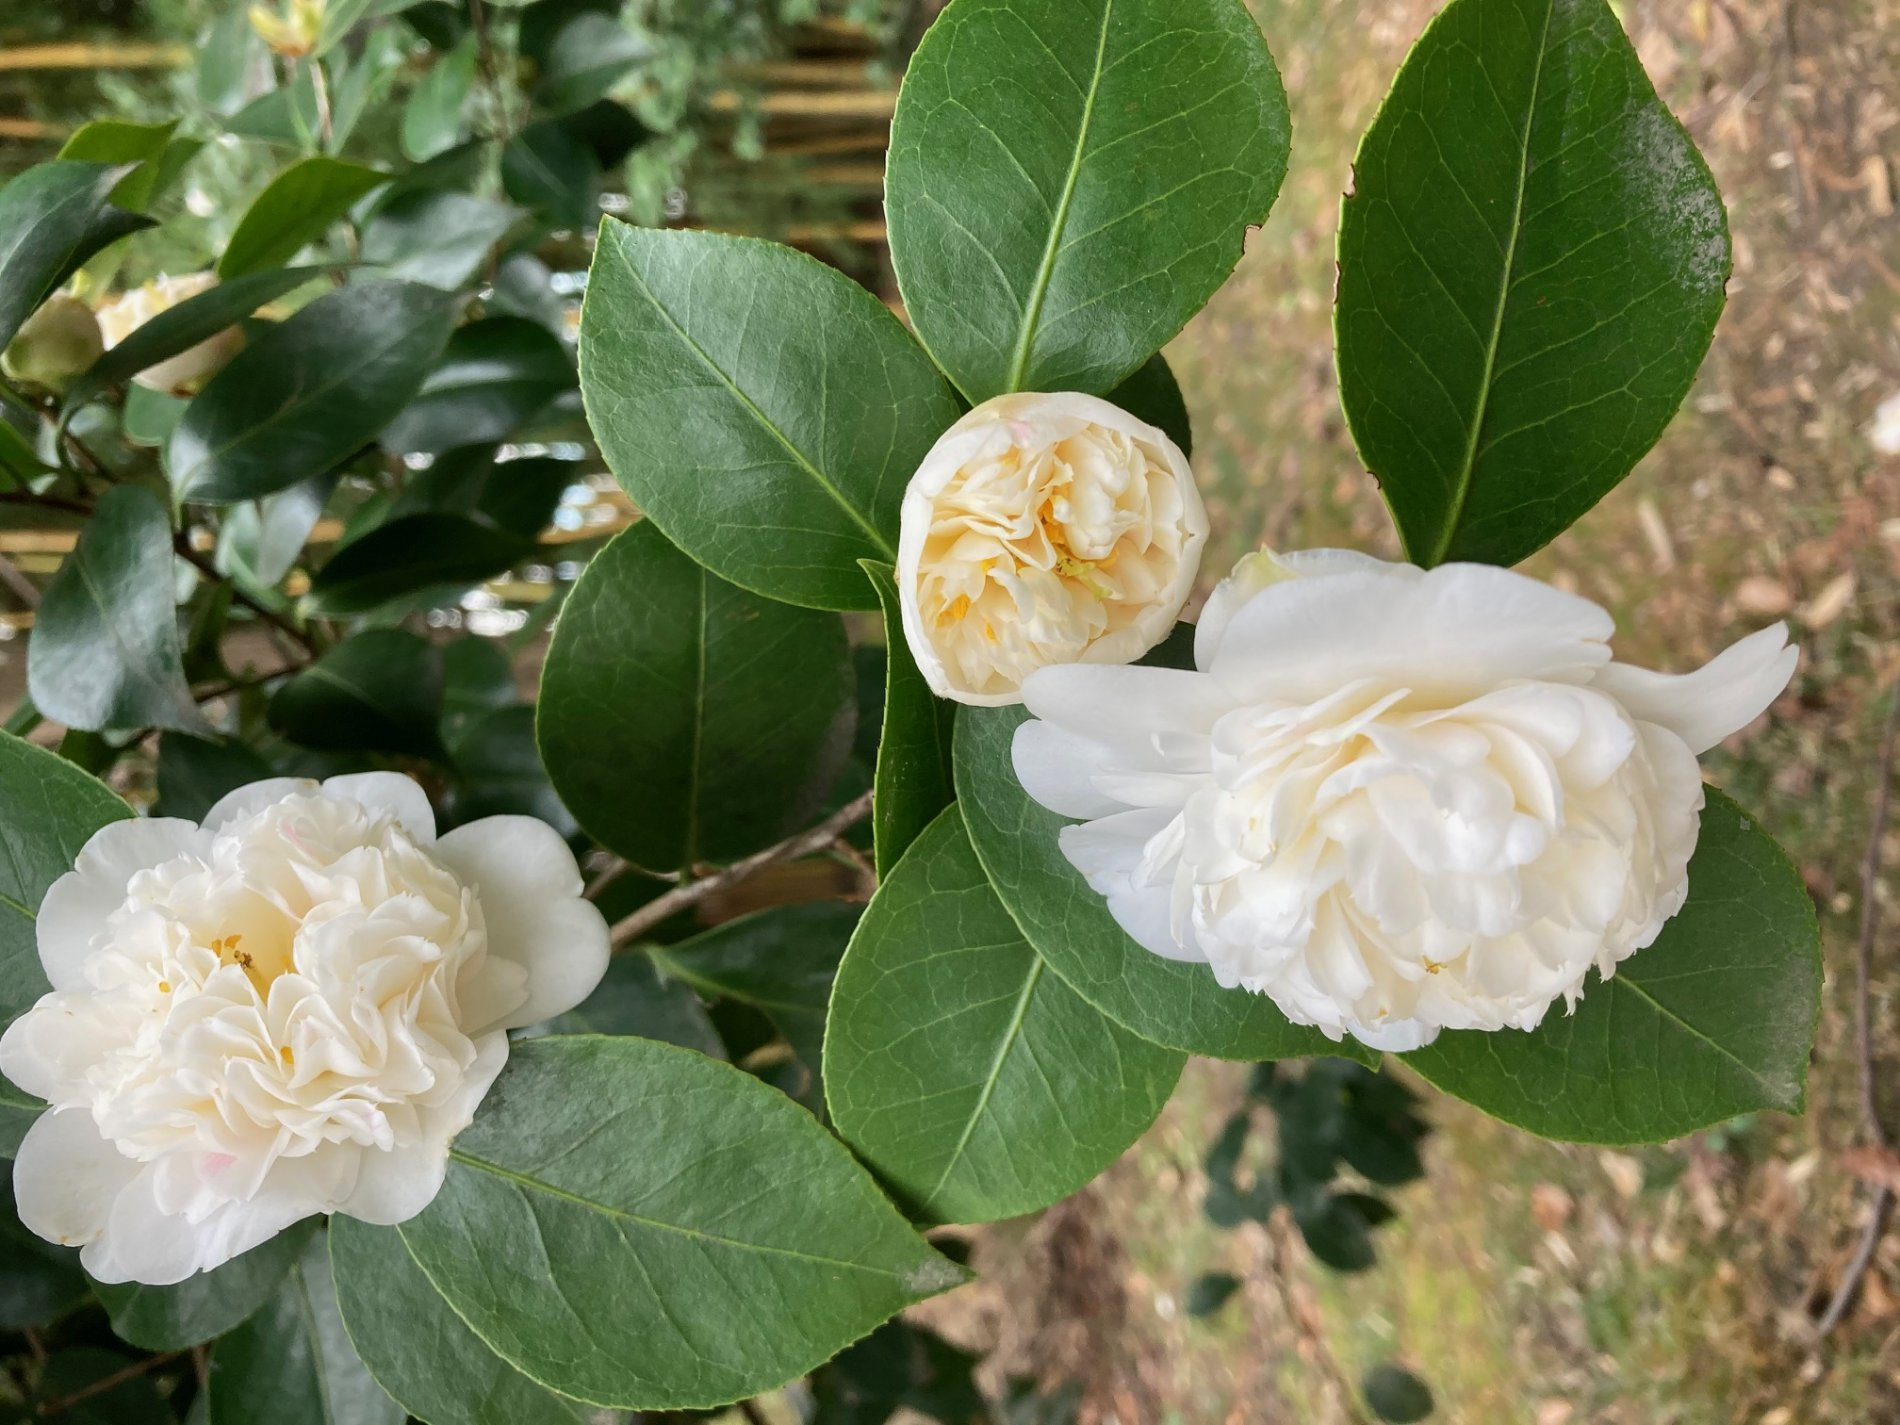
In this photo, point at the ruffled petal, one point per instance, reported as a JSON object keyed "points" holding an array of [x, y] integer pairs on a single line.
{"points": [[74, 911], [249, 800], [394, 1186], [389, 794], [1723, 696], [530, 891], [1056, 767]]}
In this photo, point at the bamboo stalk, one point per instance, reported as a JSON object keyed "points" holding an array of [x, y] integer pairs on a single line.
{"points": [[87, 56], [813, 104]]}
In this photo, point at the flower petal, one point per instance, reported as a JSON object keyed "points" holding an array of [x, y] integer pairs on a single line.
{"points": [[66, 1177], [394, 1186], [391, 794], [76, 906], [530, 891], [1458, 629], [252, 798], [1125, 707], [1723, 696], [1056, 767]]}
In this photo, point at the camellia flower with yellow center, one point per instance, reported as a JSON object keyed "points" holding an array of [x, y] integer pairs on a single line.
{"points": [[1394, 801], [184, 373], [291, 1009], [1042, 529]]}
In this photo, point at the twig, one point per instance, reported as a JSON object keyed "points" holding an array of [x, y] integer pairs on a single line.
{"points": [[674, 901], [21, 586], [1882, 1209], [196, 559], [51, 502], [105, 1383]]}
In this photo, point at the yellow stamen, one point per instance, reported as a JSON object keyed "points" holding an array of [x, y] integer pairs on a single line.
{"points": [[958, 607], [164, 987]]}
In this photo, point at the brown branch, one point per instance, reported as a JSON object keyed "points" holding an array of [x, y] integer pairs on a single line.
{"points": [[50, 502], [674, 901], [105, 1383], [197, 560], [1882, 1208]]}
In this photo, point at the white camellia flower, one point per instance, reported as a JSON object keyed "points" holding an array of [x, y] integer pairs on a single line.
{"points": [[124, 314], [289, 1010], [1393, 801], [1040, 529]]}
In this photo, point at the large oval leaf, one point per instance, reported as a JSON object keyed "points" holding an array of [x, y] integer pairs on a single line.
{"points": [[309, 392], [199, 1308], [105, 650], [419, 1350], [638, 1225], [1172, 1003], [1070, 180], [914, 780], [683, 719], [380, 691], [49, 809], [1714, 1019], [1531, 264], [292, 1363], [762, 408], [971, 1079], [409, 555], [52, 218]]}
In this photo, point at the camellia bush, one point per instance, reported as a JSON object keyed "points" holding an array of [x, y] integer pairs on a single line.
{"points": [[377, 1063]]}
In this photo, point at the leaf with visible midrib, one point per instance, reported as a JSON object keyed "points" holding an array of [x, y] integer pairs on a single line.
{"points": [[52, 218], [49, 809], [973, 1081], [1716, 1018], [683, 718], [1070, 180], [105, 652], [763, 409], [678, 1202], [1531, 264]]}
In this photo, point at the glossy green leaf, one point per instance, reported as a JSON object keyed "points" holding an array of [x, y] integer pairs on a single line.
{"points": [[419, 1350], [1155, 396], [1170, 1002], [969, 1077], [407, 556], [1531, 264], [494, 377], [17, 1112], [498, 772], [686, 720], [377, 692], [286, 116], [179, 328], [294, 210], [1714, 1019], [550, 170], [432, 119], [634, 998], [779, 961], [260, 542], [52, 218], [194, 774], [438, 238], [292, 1362], [597, 1162], [763, 409], [1070, 180], [914, 779], [309, 392], [518, 495], [49, 809], [584, 59], [201, 1307], [105, 650], [119, 141]]}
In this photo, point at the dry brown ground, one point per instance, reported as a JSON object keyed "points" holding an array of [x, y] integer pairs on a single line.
{"points": [[1532, 1282]]}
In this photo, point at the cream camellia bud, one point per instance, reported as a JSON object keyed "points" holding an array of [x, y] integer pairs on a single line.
{"points": [[54, 345], [291, 1009], [1042, 529], [1394, 801], [292, 33], [182, 374]]}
